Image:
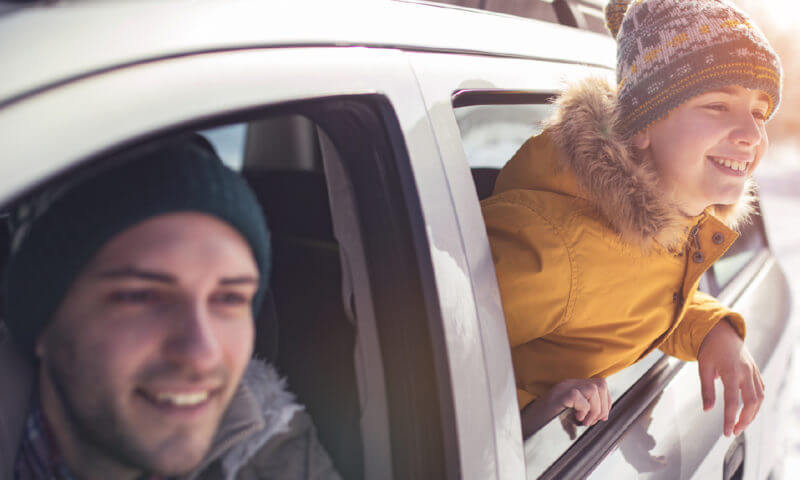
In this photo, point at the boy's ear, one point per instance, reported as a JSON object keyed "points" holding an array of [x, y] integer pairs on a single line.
{"points": [[641, 140]]}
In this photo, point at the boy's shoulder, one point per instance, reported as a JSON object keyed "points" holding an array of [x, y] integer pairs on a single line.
{"points": [[569, 216]]}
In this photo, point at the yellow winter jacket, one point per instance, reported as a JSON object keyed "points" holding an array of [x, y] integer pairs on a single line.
{"points": [[596, 269]]}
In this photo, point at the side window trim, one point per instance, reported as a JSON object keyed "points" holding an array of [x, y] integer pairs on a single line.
{"points": [[486, 97], [421, 414]]}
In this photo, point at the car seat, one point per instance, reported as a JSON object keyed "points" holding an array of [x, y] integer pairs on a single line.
{"points": [[316, 340]]}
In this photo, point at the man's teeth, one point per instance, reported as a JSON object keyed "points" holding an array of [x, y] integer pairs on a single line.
{"points": [[732, 164], [182, 399]]}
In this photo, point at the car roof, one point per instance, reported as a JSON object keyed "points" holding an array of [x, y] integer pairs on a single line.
{"points": [[54, 43]]}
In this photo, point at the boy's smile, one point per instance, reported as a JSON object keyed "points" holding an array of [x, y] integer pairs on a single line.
{"points": [[706, 148], [729, 166]]}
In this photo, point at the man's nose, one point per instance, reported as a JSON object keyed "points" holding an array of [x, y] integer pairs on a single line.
{"points": [[193, 340]]}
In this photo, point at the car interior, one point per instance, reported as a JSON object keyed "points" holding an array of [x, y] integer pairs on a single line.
{"points": [[316, 339]]}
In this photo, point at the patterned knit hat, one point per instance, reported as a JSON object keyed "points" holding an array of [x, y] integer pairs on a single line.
{"points": [[669, 51], [181, 174]]}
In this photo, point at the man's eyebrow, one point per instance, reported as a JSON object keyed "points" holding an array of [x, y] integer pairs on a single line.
{"points": [[137, 273], [244, 279]]}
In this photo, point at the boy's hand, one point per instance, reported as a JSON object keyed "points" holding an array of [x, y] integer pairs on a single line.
{"points": [[589, 398], [723, 355]]}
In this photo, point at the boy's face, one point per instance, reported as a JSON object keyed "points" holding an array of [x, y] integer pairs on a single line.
{"points": [[705, 149], [147, 349]]}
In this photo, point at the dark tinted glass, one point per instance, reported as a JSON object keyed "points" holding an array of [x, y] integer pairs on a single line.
{"points": [[744, 249]]}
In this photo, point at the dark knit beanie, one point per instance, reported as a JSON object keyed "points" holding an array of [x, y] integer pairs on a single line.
{"points": [[182, 174], [669, 51]]}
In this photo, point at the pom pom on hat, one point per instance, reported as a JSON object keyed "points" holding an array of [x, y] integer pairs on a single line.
{"points": [[615, 12]]}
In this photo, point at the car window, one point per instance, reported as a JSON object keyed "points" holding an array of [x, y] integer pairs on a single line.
{"points": [[229, 142], [583, 14], [313, 198], [750, 242], [491, 134]]}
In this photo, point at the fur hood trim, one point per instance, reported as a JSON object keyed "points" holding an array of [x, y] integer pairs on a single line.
{"points": [[623, 189], [277, 407]]}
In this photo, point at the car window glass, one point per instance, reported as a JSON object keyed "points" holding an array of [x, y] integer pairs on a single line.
{"points": [[492, 133], [583, 14], [548, 444], [744, 249], [229, 142]]}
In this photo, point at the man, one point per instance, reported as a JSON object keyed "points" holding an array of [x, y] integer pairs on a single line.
{"points": [[136, 292]]}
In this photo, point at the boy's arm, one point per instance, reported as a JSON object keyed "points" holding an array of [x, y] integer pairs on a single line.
{"points": [[535, 274], [703, 313], [714, 336]]}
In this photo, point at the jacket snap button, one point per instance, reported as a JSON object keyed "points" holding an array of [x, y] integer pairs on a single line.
{"points": [[718, 238], [675, 297], [698, 257]]}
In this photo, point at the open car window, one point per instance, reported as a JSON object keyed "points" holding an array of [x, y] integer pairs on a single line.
{"points": [[492, 129]]}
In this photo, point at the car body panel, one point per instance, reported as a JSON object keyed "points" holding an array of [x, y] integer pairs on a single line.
{"points": [[80, 34]]}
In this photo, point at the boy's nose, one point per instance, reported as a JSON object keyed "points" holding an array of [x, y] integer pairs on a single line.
{"points": [[747, 131]]}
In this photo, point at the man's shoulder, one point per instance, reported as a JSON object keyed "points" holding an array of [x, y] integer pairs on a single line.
{"points": [[285, 443], [16, 383]]}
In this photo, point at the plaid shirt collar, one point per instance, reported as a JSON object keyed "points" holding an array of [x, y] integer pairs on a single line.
{"points": [[38, 457]]}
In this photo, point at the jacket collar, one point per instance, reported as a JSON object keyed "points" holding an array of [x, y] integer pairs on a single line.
{"points": [[260, 409], [581, 154]]}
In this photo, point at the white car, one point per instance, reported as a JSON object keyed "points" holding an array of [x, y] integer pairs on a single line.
{"points": [[369, 130]]}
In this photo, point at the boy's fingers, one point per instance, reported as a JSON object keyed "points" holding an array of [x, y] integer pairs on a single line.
{"points": [[593, 395], [578, 402], [751, 403], [731, 403], [605, 401], [760, 382], [707, 376]]}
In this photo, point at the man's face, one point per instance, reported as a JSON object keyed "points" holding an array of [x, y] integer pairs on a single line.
{"points": [[148, 346], [705, 149]]}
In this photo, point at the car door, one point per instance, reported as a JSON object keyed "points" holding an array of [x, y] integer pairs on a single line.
{"points": [[419, 417]]}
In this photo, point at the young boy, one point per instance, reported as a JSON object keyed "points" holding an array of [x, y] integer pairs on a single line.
{"points": [[602, 226]]}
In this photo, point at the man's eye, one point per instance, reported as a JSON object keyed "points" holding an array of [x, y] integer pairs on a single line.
{"points": [[134, 296], [230, 298]]}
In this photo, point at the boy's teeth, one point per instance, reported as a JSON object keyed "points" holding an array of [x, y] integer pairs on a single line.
{"points": [[732, 164], [182, 399]]}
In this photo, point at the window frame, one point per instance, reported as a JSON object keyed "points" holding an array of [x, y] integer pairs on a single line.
{"points": [[591, 445]]}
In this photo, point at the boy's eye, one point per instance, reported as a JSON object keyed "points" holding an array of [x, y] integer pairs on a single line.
{"points": [[719, 107], [135, 296]]}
